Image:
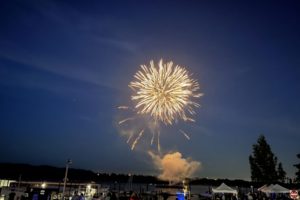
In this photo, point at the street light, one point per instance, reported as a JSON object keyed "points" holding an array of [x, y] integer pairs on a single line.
{"points": [[69, 162], [44, 185]]}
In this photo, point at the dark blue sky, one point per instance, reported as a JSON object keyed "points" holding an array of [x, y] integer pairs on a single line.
{"points": [[65, 67]]}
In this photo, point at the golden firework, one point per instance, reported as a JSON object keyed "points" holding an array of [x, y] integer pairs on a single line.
{"points": [[165, 92]]}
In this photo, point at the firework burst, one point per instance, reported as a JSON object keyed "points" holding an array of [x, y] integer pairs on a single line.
{"points": [[164, 92]]}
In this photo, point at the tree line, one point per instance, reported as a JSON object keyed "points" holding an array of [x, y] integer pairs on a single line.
{"points": [[264, 164]]}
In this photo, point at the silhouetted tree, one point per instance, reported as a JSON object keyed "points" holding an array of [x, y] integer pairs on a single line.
{"points": [[263, 162], [281, 173], [298, 172]]}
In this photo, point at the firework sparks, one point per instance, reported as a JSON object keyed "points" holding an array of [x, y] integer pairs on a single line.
{"points": [[123, 107], [158, 142], [185, 134], [125, 120], [152, 139], [137, 139], [165, 92], [129, 138]]}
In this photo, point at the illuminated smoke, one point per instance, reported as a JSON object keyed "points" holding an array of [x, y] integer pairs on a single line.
{"points": [[174, 168]]}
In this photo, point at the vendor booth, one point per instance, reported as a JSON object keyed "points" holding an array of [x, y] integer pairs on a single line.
{"points": [[222, 191]]}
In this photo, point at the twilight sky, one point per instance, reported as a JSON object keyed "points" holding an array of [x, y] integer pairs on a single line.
{"points": [[65, 67]]}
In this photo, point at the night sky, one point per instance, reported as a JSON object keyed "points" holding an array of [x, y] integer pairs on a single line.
{"points": [[65, 67]]}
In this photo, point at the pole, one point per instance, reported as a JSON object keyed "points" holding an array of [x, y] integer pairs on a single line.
{"points": [[66, 177], [19, 182]]}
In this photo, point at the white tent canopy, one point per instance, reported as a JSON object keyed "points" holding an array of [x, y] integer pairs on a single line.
{"points": [[273, 189], [265, 188], [223, 188]]}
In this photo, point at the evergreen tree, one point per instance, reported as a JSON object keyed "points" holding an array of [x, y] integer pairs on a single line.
{"points": [[298, 172], [263, 162], [281, 173]]}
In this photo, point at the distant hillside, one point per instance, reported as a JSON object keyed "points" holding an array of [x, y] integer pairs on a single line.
{"points": [[43, 172], [50, 173]]}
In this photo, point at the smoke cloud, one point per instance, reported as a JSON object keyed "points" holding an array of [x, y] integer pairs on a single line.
{"points": [[174, 167]]}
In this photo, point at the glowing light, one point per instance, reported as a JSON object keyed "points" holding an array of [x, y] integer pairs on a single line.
{"points": [[165, 92], [44, 185]]}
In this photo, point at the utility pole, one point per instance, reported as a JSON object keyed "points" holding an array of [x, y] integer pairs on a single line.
{"points": [[19, 182], [69, 162]]}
